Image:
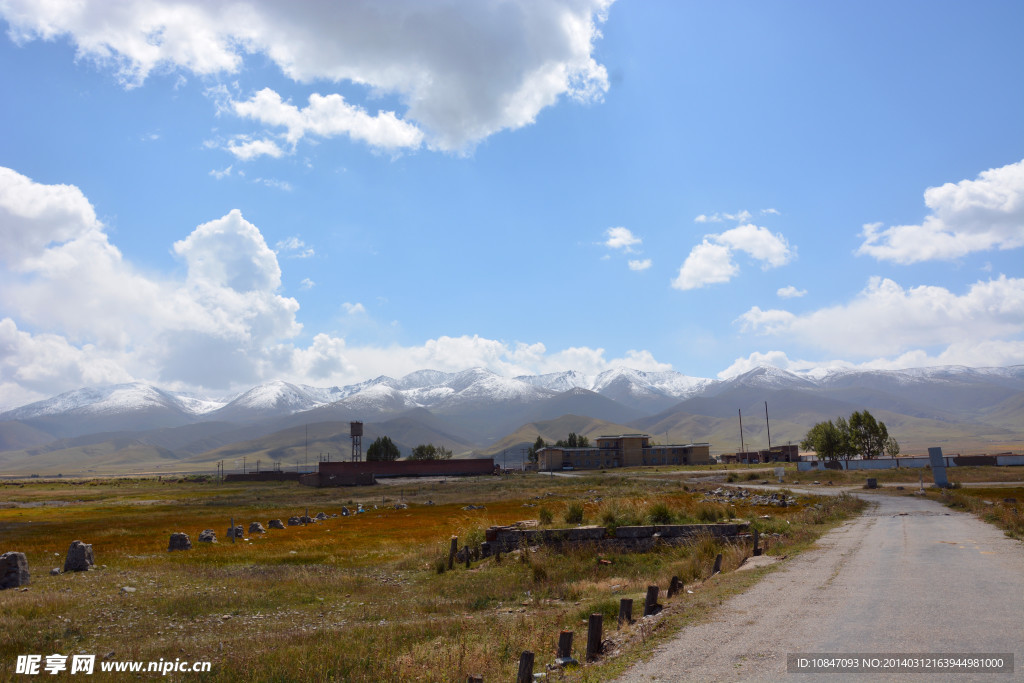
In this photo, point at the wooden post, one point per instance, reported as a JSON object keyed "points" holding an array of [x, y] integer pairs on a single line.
{"points": [[565, 644], [232, 529], [467, 556], [651, 602], [718, 564], [452, 549], [757, 543], [675, 586], [594, 636], [525, 674], [475, 678], [625, 611]]}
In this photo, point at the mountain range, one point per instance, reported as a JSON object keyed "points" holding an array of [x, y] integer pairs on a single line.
{"points": [[139, 427]]}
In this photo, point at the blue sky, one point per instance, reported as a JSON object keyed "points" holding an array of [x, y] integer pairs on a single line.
{"points": [[207, 198]]}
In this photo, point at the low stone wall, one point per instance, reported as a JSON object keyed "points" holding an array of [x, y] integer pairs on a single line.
{"points": [[505, 539]]}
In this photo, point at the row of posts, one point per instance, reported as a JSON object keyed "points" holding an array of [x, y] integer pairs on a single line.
{"points": [[595, 624]]}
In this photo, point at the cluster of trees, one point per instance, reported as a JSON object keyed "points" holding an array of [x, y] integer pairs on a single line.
{"points": [[430, 452], [574, 440], [384, 449], [842, 438]]}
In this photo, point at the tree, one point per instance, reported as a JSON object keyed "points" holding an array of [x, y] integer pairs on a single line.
{"points": [[537, 445], [574, 440], [825, 439], [382, 449], [867, 434], [892, 447], [430, 452]]}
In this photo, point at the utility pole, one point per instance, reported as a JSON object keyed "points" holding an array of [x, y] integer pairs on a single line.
{"points": [[769, 426]]}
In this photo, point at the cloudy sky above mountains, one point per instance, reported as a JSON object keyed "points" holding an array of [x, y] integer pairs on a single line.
{"points": [[211, 195]]}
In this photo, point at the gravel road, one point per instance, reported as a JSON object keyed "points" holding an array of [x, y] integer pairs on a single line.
{"points": [[907, 576]]}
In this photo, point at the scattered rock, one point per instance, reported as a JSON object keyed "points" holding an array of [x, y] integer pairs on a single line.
{"points": [[80, 557], [127, 589], [275, 524], [236, 532], [294, 521], [207, 536], [55, 571], [321, 516], [13, 570], [344, 511], [474, 507], [256, 528], [179, 541]]}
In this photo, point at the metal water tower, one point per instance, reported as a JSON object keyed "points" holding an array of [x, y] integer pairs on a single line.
{"points": [[356, 432]]}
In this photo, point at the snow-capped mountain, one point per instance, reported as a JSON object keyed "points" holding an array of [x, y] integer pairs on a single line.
{"points": [[479, 407], [114, 399]]}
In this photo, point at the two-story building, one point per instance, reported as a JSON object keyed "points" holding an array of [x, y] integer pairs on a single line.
{"points": [[624, 450]]}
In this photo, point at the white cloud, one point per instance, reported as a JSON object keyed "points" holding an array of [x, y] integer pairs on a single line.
{"points": [[307, 283], [220, 324], [790, 292], [886, 320], [329, 116], [761, 243], [969, 216], [991, 353], [246, 150], [621, 238], [742, 217], [353, 309], [707, 264], [222, 173], [283, 185], [640, 264], [296, 248], [711, 261], [463, 70]]}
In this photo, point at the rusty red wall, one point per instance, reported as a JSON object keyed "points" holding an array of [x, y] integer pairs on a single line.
{"points": [[411, 468]]}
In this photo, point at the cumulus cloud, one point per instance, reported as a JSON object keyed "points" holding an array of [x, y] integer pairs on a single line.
{"points": [[639, 264], [790, 292], [222, 325], [886, 319], [711, 261], [246, 149], [621, 238], [463, 70], [105, 319], [329, 116], [968, 216]]}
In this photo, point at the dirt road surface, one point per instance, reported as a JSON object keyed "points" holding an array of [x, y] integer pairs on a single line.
{"points": [[907, 576]]}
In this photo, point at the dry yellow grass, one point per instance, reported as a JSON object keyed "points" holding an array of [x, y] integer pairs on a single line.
{"points": [[351, 598]]}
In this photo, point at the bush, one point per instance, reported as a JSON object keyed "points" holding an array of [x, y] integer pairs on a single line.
{"points": [[544, 516], [660, 513], [574, 513]]}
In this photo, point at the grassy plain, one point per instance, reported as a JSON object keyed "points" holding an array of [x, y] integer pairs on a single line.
{"points": [[361, 597]]}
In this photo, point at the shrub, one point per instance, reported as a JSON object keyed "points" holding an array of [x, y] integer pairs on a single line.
{"points": [[574, 513], [545, 516], [660, 513]]}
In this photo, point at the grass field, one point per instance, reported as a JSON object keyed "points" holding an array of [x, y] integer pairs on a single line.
{"points": [[361, 597]]}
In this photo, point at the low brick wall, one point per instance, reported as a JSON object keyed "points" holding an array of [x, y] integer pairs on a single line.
{"points": [[263, 476], [505, 539]]}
